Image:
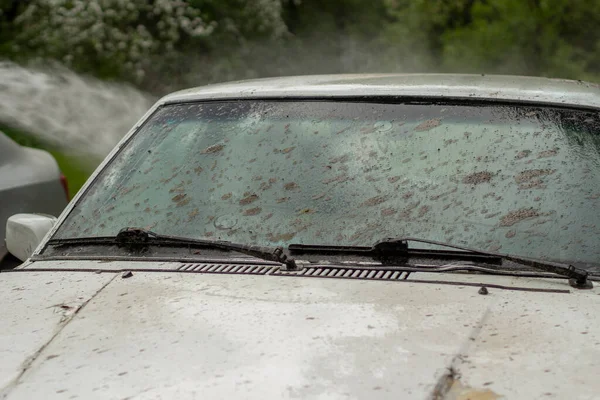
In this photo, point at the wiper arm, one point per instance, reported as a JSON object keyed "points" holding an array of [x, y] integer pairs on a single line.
{"points": [[138, 239], [393, 250]]}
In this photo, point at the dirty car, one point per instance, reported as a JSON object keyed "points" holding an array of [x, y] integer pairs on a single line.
{"points": [[351, 236]]}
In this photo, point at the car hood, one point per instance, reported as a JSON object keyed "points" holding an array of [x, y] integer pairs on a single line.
{"points": [[162, 334]]}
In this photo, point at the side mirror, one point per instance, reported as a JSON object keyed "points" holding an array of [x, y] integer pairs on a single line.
{"points": [[24, 232]]}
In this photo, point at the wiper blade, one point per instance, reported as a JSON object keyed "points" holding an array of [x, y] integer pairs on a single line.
{"points": [[394, 250], [139, 239]]}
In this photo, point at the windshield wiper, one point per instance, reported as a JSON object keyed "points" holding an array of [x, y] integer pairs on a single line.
{"points": [[396, 250], [138, 240]]}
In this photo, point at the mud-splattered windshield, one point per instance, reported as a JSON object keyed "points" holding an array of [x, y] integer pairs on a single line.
{"points": [[520, 180]]}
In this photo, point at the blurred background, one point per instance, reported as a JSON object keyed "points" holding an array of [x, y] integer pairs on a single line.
{"points": [[75, 75]]}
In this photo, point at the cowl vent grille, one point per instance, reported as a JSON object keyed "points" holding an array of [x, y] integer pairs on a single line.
{"points": [[348, 273], [226, 269], [308, 271]]}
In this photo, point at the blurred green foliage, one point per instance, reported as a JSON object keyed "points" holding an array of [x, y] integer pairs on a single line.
{"points": [[167, 44]]}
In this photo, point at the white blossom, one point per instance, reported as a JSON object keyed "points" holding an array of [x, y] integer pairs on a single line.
{"points": [[109, 29]]}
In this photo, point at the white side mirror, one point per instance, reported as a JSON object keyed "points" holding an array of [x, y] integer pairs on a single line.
{"points": [[24, 232]]}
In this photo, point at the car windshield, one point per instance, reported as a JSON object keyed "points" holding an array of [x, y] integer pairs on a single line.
{"points": [[518, 179]]}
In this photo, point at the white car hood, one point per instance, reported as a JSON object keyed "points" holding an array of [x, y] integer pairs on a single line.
{"points": [[216, 336]]}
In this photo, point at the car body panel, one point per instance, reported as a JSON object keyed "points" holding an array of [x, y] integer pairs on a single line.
{"points": [[191, 335], [496, 88], [37, 306], [29, 183]]}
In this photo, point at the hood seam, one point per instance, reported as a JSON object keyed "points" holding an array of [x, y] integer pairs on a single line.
{"points": [[444, 383], [5, 391]]}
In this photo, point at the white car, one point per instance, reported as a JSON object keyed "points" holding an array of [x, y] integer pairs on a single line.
{"points": [[323, 237]]}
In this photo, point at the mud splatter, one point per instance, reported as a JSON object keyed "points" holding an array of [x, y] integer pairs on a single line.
{"points": [[427, 125], [215, 148], [340, 159], [253, 211], [291, 186], [268, 216], [306, 211], [386, 212], [373, 201], [528, 175], [534, 184], [510, 234], [547, 153], [226, 196], [281, 237], [282, 199], [423, 210], [179, 197], [523, 154], [248, 199], [339, 179], [192, 214], [394, 179], [477, 178], [517, 216]]}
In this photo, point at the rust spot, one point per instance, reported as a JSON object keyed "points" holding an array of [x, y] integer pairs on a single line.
{"points": [[192, 214], [198, 170], [215, 148], [250, 198], [477, 178], [427, 125], [253, 211], [306, 211], [288, 149], [517, 216], [291, 186], [373, 201], [226, 196]]}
